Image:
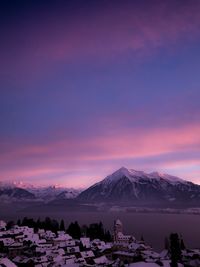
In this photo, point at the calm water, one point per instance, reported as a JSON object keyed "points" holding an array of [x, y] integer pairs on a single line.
{"points": [[154, 227]]}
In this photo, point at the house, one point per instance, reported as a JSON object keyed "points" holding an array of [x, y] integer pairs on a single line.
{"points": [[15, 249], [5, 262], [124, 256], [87, 254], [85, 241], [73, 250], [101, 261]]}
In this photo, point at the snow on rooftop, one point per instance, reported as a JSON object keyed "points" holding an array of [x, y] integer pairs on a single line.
{"points": [[101, 260], [7, 263], [143, 264]]}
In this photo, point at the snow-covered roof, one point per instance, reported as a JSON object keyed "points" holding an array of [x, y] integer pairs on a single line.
{"points": [[135, 246], [73, 249], [124, 253], [101, 260], [143, 264], [87, 254], [85, 241], [7, 263]]}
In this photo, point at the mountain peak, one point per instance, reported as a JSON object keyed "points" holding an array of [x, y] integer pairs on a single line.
{"points": [[131, 174], [122, 171], [134, 175], [131, 186]]}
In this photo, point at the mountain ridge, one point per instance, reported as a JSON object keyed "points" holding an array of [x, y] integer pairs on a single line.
{"points": [[131, 186], [128, 186], [11, 191]]}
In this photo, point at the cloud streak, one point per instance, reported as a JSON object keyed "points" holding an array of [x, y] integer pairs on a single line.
{"points": [[34, 161]]}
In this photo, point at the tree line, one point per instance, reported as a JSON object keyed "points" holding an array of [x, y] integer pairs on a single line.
{"points": [[93, 231]]}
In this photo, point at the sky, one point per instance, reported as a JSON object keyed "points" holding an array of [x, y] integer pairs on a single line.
{"points": [[89, 86]]}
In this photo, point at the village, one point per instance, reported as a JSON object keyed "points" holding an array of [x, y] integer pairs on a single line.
{"points": [[22, 246]]}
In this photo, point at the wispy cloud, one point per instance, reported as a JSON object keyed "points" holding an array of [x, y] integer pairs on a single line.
{"points": [[58, 156]]}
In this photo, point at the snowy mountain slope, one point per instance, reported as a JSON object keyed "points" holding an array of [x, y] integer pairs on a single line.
{"points": [[14, 193], [50, 193], [68, 194], [18, 190], [126, 185]]}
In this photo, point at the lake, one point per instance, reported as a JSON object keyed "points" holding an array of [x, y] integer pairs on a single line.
{"points": [[153, 226]]}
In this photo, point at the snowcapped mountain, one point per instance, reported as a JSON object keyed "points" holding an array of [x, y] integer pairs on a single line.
{"points": [[131, 186], [50, 193], [68, 194], [11, 191], [9, 194], [46, 192]]}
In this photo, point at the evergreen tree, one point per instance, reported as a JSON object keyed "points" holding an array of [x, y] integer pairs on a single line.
{"points": [[31, 223], [107, 236], [142, 238], [62, 225], [77, 230], [24, 221], [84, 230], [93, 231], [70, 229], [19, 222], [175, 250], [10, 225], [47, 223], [38, 223], [100, 231], [54, 226], [74, 230]]}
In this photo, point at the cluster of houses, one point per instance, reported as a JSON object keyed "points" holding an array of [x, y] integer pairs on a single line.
{"points": [[21, 246]]}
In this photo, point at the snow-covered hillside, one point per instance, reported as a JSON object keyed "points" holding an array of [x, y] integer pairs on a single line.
{"points": [[137, 186]]}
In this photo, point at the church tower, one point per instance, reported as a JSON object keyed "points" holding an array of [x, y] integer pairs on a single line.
{"points": [[118, 227]]}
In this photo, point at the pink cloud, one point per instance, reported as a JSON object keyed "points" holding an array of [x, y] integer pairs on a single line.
{"points": [[120, 143], [75, 155]]}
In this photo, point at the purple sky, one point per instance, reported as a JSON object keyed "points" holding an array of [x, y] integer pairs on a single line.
{"points": [[89, 86]]}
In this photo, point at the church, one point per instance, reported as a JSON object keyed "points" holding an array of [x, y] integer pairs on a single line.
{"points": [[118, 236]]}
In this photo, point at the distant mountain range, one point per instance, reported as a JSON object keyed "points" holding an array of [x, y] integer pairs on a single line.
{"points": [[125, 186], [51, 193], [13, 191], [10, 194], [137, 187]]}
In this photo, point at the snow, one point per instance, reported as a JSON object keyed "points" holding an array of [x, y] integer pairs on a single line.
{"points": [[151, 264], [101, 260], [125, 183], [87, 254], [85, 242], [41, 193], [167, 177], [7, 263], [143, 264], [137, 176], [131, 174]]}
